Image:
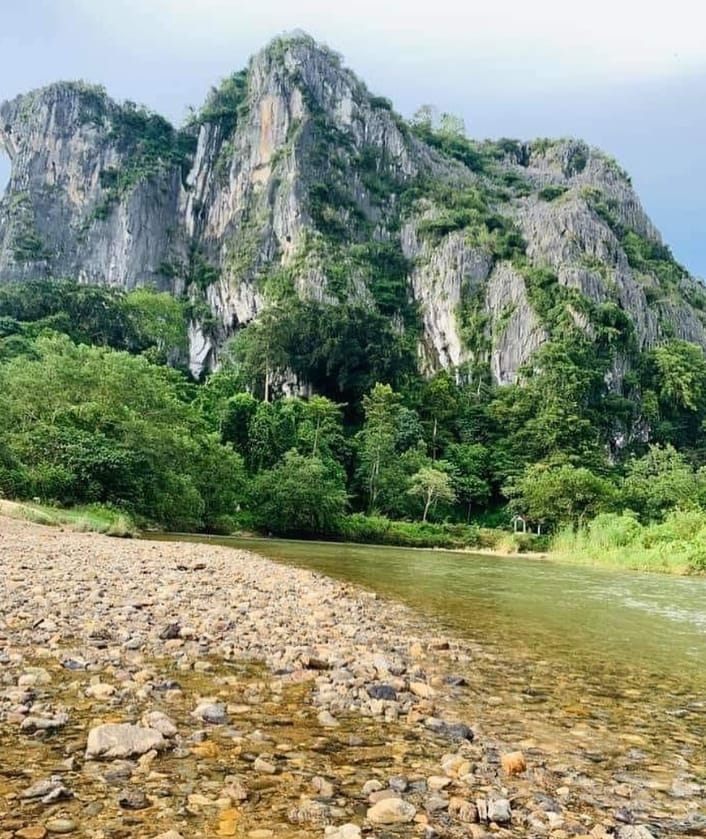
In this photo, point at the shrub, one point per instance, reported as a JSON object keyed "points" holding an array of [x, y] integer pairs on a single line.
{"points": [[552, 192]]}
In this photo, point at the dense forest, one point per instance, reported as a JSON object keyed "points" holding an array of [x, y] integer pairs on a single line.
{"points": [[97, 410]]}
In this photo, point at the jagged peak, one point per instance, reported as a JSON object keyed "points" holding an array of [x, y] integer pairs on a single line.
{"points": [[21, 106], [298, 43]]}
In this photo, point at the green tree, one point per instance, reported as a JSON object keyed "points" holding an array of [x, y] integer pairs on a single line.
{"points": [[299, 496], [471, 472], [432, 485], [560, 495], [159, 324], [376, 440], [660, 481], [92, 424], [439, 410]]}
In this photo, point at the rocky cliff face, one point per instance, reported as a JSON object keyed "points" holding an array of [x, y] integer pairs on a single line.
{"points": [[293, 175]]}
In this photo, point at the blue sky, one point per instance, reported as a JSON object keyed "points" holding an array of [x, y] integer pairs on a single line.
{"points": [[619, 73]]}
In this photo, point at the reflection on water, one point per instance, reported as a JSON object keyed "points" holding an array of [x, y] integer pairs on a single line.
{"points": [[605, 669]]}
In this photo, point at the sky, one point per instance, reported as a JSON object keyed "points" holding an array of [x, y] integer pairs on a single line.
{"points": [[626, 75]]}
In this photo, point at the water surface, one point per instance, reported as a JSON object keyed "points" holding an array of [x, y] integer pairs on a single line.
{"points": [[605, 669]]}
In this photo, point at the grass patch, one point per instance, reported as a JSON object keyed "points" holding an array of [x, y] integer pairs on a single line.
{"points": [[675, 546], [95, 518]]}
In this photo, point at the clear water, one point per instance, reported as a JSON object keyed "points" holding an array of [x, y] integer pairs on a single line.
{"points": [[604, 670], [585, 617]]}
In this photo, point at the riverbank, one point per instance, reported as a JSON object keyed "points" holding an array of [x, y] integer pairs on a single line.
{"points": [[680, 555], [95, 518], [246, 698]]}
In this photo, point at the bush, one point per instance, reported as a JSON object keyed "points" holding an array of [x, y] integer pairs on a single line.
{"points": [[552, 192], [383, 531]]}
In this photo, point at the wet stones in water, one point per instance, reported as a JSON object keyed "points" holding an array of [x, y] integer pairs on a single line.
{"points": [[211, 712], [167, 684], [451, 730], [159, 721], [327, 720], [385, 692], [47, 791], [323, 787], [119, 772], [436, 803], [313, 812], [33, 831], [264, 766], [513, 763], [398, 783], [464, 811], [73, 664], [133, 799], [369, 787], [32, 724]]}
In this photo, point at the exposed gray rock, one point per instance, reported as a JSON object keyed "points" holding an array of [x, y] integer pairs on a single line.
{"points": [[634, 831], [211, 712], [225, 204], [119, 740], [47, 791], [391, 811], [499, 810]]}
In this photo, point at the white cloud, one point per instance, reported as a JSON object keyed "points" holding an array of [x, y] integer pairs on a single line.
{"points": [[554, 38]]}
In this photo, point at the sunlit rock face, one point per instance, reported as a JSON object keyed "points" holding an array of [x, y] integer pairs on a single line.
{"points": [[295, 167]]}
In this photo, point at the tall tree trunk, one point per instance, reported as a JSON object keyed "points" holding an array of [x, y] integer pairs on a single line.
{"points": [[426, 507]]}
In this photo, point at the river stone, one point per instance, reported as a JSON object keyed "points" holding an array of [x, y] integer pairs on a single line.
{"points": [[422, 690], [133, 799], [33, 831], [464, 811], [437, 782], [264, 766], [373, 785], [398, 783], [31, 724], [345, 831], [211, 712], [435, 803], [391, 811], [115, 740], [47, 791], [61, 826], [160, 722], [322, 786], [327, 720], [499, 810], [634, 831], [384, 692]]}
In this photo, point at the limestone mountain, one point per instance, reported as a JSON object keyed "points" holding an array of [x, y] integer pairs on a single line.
{"points": [[294, 180]]}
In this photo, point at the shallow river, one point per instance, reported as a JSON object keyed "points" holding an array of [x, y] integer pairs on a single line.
{"points": [[605, 669]]}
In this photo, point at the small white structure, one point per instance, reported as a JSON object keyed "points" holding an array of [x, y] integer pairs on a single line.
{"points": [[519, 522]]}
